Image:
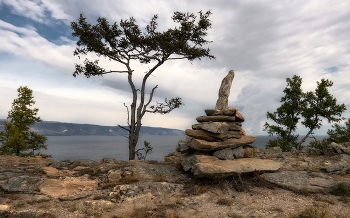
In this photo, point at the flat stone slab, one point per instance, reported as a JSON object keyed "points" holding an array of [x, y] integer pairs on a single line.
{"points": [[203, 145], [226, 168], [70, 188], [24, 184], [216, 118], [205, 135], [299, 181]]}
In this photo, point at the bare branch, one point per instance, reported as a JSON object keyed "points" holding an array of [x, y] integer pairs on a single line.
{"points": [[127, 110], [149, 101], [124, 128]]}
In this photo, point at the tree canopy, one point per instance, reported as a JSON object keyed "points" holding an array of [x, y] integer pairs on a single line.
{"points": [[126, 42]]}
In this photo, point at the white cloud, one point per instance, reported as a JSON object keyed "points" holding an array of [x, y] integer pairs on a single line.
{"points": [[263, 41]]}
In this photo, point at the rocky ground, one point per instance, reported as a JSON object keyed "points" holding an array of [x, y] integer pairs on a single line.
{"points": [[305, 186]]}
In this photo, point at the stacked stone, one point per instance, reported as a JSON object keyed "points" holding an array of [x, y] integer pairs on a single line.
{"points": [[220, 133], [216, 145]]}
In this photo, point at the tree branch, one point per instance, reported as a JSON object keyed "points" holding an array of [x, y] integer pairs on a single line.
{"points": [[127, 109], [149, 101], [124, 128]]}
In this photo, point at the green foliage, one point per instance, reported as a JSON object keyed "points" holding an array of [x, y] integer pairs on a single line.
{"points": [[286, 145], [287, 116], [16, 138], [146, 150], [340, 133], [322, 145], [310, 107], [125, 43]]}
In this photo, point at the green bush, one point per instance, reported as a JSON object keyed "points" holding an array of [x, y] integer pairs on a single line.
{"points": [[323, 145]]}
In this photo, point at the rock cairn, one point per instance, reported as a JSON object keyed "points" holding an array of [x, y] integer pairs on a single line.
{"points": [[217, 139]]}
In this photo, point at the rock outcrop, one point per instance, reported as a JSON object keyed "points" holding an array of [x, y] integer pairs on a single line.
{"points": [[213, 146]]}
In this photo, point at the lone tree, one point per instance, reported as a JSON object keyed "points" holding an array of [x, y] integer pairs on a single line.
{"points": [[16, 138], [310, 107], [125, 43]]}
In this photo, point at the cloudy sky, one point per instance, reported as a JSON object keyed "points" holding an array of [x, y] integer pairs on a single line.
{"points": [[264, 41]]}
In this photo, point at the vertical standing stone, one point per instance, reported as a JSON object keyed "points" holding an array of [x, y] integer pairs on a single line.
{"points": [[224, 91]]}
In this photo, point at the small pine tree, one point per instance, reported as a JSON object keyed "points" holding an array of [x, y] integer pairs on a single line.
{"points": [[17, 139], [311, 108]]}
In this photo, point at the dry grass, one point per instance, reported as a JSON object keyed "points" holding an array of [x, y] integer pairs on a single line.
{"points": [[319, 212], [225, 201], [159, 178]]}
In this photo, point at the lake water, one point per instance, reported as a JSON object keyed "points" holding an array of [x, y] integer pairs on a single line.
{"points": [[98, 147]]}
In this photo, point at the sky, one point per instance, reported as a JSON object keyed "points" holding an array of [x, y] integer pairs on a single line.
{"points": [[264, 42]]}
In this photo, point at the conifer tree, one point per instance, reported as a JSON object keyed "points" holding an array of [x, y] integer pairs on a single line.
{"points": [[17, 139], [310, 107]]}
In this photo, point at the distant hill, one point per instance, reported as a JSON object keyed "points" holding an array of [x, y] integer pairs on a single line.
{"points": [[50, 128]]}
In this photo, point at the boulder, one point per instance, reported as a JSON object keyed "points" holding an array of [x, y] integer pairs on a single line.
{"points": [[183, 144], [202, 145], [226, 168], [229, 154], [224, 91], [205, 135], [214, 127], [215, 119]]}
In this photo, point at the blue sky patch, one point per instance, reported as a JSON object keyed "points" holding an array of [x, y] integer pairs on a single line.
{"points": [[333, 69]]}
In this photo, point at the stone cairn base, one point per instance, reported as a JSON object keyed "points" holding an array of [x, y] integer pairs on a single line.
{"points": [[216, 146]]}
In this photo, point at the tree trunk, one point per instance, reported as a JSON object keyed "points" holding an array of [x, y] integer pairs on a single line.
{"points": [[303, 140], [133, 139]]}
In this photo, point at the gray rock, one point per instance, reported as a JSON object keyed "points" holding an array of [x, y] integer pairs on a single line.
{"points": [[336, 147], [197, 157], [114, 175], [75, 196], [183, 144], [229, 154], [239, 117], [292, 180], [234, 134], [226, 168], [224, 91], [298, 181], [230, 111], [203, 145], [205, 135], [24, 184], [338, 166], [216, 119], [214, 127], [341, 148], [235, 125], [213, 112], [224, 154], [155, 188]]}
